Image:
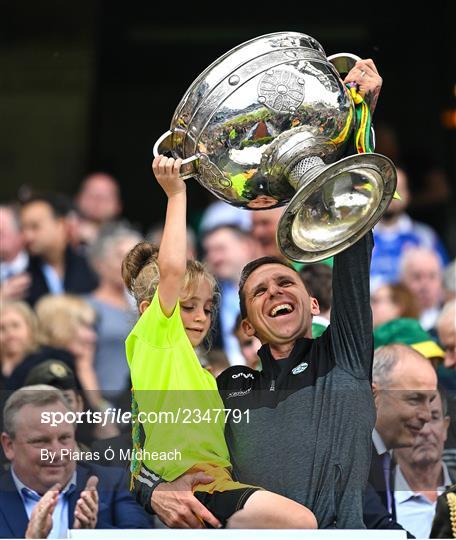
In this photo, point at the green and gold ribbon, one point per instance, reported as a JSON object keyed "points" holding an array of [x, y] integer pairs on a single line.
{"points": [[363, 132]]}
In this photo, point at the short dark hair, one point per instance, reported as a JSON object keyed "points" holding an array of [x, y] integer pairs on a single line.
{"points": [[248, 269], [60, 204], [317, 278]]}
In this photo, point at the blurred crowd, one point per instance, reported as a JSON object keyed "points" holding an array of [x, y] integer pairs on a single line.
{"points": [[65, 314]]}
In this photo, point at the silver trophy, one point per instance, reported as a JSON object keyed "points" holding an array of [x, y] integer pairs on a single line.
{"points": [[266, 125]]}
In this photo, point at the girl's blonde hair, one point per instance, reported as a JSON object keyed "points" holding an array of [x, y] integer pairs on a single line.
{"points": [[27, 313], [59, 316], [141, 276]]}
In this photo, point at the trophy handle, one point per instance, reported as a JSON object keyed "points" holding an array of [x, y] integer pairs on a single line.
{"points": [[343, 62], [165, 144]]}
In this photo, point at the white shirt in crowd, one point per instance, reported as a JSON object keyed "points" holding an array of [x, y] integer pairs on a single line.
{"points": [[13, 268], [414, 511]]}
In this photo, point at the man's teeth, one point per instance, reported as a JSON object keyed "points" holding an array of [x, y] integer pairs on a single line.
{"points": [[282, 307]]}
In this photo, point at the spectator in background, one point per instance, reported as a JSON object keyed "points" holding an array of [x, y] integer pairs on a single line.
{"points": [[18, 340], [13, 258], [249, 345], [227, 250], [18, 335], [154, 236], [98, 202], [317, 278], [20, 349], [113, 308], [20, 345], [446, 329], [421, 475], [421, 271], [221, 213], [408, 332], [40, 500], [395, 232], [264, 229], [404, 385], [393, 301], [67, 322], [54, 266]]}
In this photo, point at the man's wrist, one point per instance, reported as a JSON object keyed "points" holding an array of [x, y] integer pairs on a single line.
{"points": [[143, 493], [148, 505]]}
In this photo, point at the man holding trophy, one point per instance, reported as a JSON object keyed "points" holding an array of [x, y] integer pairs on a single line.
{"points": [[269, 123]]}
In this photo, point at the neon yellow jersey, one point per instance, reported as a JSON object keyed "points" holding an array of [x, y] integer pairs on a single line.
{"points": [[180, 407]]}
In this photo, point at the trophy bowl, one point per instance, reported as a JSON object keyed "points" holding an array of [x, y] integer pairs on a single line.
{"points": [[263, 126]]}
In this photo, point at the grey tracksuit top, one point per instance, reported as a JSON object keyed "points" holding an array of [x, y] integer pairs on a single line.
{"points": [[308, 432]]}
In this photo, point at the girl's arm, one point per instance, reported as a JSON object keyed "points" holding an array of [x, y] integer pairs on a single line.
{"points": [[172, 260]]}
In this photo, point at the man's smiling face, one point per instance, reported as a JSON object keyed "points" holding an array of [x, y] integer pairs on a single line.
{"points": [[33, 436], [279, 308]]}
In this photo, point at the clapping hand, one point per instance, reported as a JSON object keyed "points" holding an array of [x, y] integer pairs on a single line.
{"points": [[86, 511], [40, 523]]}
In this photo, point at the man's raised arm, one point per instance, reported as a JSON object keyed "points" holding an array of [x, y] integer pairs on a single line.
{"points": [[351, 315]]}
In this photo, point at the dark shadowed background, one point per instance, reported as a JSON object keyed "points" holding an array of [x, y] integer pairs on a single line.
{"points": [[90, 84]]}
